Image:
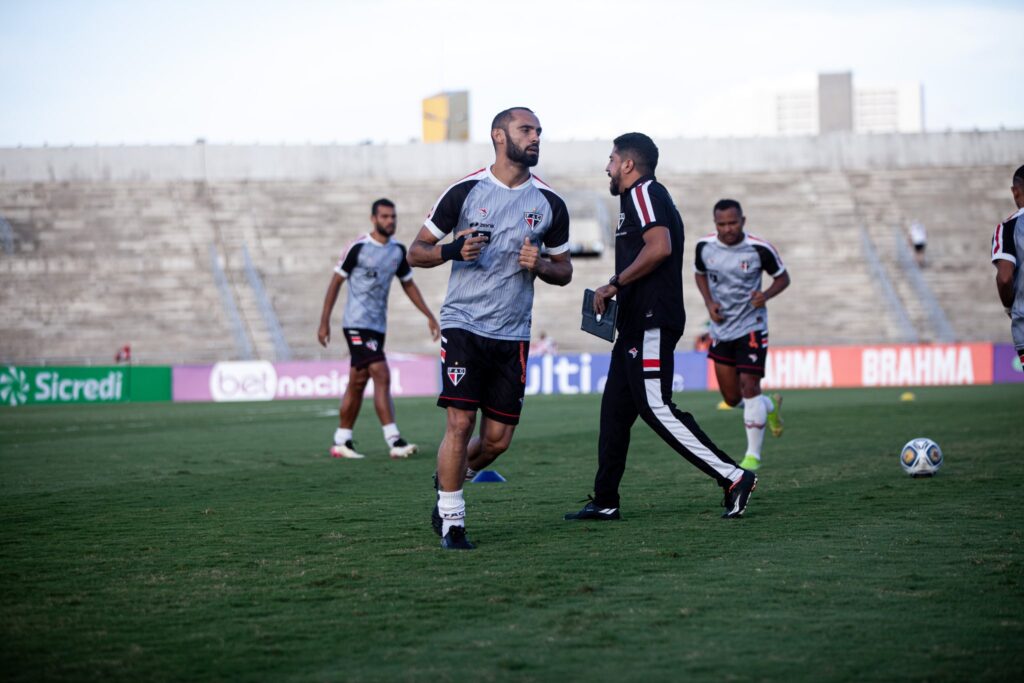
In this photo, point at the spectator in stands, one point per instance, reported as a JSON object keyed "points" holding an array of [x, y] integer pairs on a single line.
{"points": [[729, 265], [545, 346], [918, 237], [1007, 250], [369, 264]]}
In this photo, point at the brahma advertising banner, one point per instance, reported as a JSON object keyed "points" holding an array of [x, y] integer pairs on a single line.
{"points": [[27, 385]]}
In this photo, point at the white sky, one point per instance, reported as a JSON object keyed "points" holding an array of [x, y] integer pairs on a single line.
{"points": [[132, 72]]}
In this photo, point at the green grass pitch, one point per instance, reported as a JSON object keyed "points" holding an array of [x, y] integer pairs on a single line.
{"points": [[220, 542]]}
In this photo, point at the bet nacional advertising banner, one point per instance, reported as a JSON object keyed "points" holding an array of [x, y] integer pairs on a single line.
{"points": [[266, 381], [28, 385]]}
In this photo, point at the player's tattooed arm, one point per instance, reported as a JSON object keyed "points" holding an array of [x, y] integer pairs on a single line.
{"points": [[714, 308], [554, 270], [425, 252]]}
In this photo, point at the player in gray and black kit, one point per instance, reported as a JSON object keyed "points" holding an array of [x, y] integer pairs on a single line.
{"points": [[368, 265], [1007, 252], [498, 218], [728, 265]]}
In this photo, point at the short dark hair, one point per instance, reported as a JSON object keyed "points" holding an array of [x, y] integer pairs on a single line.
{"points": [[379, 203], [725, 205], [640, 148], [1018, 177], [502, 118]]}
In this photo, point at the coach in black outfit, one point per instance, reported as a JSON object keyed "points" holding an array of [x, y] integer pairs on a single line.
{"points": [[648, 285]]}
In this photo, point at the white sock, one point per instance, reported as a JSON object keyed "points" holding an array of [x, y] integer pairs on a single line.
{"points": [[755, 415], [342, 435], [452, 508], [769, 405], [391, 434]]}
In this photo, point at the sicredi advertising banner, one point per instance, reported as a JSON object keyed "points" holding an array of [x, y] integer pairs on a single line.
{"points": [[890, 365], [21, 385], [266, 381]]}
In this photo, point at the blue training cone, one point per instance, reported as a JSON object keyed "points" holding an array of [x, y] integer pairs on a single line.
{"points": [[488, 476]]}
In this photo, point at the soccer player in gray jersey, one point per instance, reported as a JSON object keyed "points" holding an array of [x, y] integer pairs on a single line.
{"points": [[1007, 251], [368, 265], [498, 218], [728, 268]]}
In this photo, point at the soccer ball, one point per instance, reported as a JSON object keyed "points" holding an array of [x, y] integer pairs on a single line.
{"points": [[921, 457]]}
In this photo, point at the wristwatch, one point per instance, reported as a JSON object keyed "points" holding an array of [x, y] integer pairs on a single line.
{"points": [[614, 282]]}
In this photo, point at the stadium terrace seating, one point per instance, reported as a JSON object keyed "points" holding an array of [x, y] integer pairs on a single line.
{"points": [[97, 264]]}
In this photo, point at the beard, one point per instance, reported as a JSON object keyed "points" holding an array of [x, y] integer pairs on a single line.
{"points": [[519, 155], [382, 231], [613, 186]]}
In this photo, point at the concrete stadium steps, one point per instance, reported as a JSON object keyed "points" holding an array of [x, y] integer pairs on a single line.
{"points": [[79, 244]]}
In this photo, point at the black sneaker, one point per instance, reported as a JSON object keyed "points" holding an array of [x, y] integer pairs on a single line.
{"points": [[456, 539], [591, 511], [435, 516], [737, 495]]}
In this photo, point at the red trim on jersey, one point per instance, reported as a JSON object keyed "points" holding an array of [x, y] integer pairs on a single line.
{"points": [[464, 400], [539, 180], [998, 248], [652, 364], [479, 170], [645, 213], [494, 410]]}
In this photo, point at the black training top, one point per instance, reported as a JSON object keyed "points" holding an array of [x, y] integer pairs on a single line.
{"points": [[655, 300]]}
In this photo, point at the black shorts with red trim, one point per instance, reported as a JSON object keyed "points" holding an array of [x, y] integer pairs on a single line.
{"points": [[365, 346], [747, 354], [480, 372]]}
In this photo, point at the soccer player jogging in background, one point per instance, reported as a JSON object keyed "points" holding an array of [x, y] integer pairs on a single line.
{"points": [[369, 264], [728, 267], [648, 286], [498, 218], [1007, 251]]}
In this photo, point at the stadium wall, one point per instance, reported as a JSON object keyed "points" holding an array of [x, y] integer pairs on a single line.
{"points": [[202, 162]]}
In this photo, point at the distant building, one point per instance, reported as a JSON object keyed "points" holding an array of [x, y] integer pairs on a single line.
{"points": [[837, 105], [446, 117]]}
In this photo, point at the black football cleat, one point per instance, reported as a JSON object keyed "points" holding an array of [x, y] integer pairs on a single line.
{"points": [[737, 495], [456, 539], [591, 511]]}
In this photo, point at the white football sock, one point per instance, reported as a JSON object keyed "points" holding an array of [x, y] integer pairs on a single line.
{"points": [[452, 508], [755, 415], [769, 405], [391, 434], [342, 435]]}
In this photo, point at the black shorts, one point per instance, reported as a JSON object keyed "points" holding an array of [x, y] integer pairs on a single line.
{"points": [[919, 247], [747, 354], [365, 346], [484, 373]]}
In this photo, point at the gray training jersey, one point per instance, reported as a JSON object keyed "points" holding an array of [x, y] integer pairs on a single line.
{"points": [[493, 296], [369, 266], [1008, 245], [734, 273]]}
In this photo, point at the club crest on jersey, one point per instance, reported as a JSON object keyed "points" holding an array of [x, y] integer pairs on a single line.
{"points": [[532, 218], [633, 352], [455, 375], [483, 212], [744, 266], [371, 344]]}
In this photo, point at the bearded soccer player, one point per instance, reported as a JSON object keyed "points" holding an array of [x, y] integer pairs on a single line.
{"points": [[648, 287], [368, 265], [497, 217], [1007, 251], [728, 266]]}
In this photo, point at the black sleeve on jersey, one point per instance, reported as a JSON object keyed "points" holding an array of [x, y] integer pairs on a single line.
{"points": [[404, 270], [698, 258], [662, 208], [557, 233], [1003, 245], [769, 263], [446, 212], [351, 258]]}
